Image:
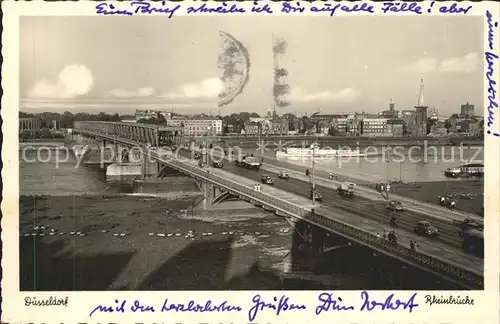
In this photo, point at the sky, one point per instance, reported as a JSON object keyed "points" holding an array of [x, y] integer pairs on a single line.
{"points": [[339, 64]]}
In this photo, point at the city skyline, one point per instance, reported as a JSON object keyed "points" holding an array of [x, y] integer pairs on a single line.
{"points": [[165, 70]]}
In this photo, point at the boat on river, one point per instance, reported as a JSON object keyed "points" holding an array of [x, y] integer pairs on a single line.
{"points": [[465, 170], [316, 151]]}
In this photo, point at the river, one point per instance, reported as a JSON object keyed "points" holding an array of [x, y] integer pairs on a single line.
{"points": [[410, 167]]}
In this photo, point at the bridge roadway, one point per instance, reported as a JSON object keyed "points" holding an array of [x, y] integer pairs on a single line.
{"points": [[448, 242], [410, 204], [459, 267], [419, 210]]}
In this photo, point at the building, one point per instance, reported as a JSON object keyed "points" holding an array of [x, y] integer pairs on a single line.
{"points": [[269, 126], [410, 121], [421, 112], [148, 114], [438, 129], [375, 127], [251, 128], [391, 113], [349, 126], [280, 126], [467, 110], [197, 126], [434, 114], [395, 127], [29, 124]]}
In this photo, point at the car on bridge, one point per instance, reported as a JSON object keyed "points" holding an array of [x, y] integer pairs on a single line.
{"points": [[219, 165], [469, 223], [394, 205], [317, 195], [283, 175], [267, 180], [425, 228], [346, 189]]}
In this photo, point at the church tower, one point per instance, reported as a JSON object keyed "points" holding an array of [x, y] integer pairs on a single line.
{"points": [[421, 112]]}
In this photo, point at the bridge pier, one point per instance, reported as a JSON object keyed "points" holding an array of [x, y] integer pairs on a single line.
{"points": [[216, 201], [310, 245]]}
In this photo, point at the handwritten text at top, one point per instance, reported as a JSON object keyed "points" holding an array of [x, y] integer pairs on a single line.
{"points": [[168, 9]]}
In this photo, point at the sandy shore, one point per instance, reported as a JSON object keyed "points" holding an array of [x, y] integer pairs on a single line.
{"points": [[429, 192]]}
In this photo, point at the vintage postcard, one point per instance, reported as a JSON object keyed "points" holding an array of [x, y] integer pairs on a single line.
{"points": [[250, 162]]}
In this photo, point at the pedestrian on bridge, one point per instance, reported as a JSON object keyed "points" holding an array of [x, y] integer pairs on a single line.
{"points": [[384, 236], [413, 246]]}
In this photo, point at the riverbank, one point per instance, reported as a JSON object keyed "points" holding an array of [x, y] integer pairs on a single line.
{"points": [[140, 243], [429, 192]]}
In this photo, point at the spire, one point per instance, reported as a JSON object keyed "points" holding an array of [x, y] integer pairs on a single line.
{"points": [[391, 102], [420, 102]]}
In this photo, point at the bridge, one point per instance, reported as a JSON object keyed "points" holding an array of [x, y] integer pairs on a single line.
{"points": [[449, 263]]}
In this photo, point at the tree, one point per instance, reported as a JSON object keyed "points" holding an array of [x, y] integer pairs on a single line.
{"points": [[430, 122], [333, 131]]}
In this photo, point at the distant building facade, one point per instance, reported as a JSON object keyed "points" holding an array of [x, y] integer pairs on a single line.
{"points": [[375, 127], [467, 110], [268, 126], [29, 124], [197, 126], [395, 127], [148, 114]]}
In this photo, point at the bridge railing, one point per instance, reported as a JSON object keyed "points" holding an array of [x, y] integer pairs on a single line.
{"points": [[275, 202], [435, 264]]}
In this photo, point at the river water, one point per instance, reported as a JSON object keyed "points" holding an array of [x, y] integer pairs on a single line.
{"points": [[412, 166]]}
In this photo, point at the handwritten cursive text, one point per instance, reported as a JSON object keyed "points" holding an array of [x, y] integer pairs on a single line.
{"points": [[332, 9], [328, 302], [491, 57], [278, 306], [136, 8], [119, 307], [390, 303], [398, 7], [194, 307], [222, 9]]}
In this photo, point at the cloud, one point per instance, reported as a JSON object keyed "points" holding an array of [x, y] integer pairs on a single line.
{"points": [[73, 81], [344, 95], [204, 89], [123, 93], [464, 64]]}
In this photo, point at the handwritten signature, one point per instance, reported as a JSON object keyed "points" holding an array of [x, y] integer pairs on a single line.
{"points": [[491, 57]]}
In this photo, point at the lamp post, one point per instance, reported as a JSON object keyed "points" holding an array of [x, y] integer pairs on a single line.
{"points": [[312, 176], [259, 134]]}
